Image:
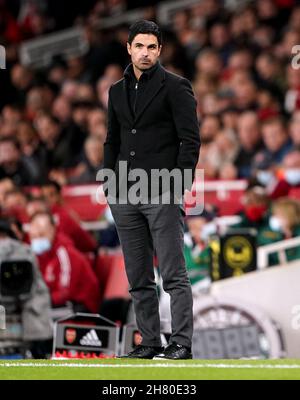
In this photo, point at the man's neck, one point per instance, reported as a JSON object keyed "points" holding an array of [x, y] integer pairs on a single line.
{"points": [[137, 72]]}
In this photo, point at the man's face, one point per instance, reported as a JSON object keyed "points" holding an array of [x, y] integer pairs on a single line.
{"points": [[9, 154], [144, 51], [51, 195], [274, 137], [41, 227]]}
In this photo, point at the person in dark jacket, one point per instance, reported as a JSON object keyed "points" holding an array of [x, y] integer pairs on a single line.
{"points": [[152, 124]]}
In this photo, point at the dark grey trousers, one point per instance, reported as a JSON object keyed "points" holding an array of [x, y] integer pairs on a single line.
{"points": [[143, 228]]}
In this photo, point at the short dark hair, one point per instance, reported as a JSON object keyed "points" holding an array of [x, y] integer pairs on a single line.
{"points": [[144, 26], [12, 140], [53, 184]]}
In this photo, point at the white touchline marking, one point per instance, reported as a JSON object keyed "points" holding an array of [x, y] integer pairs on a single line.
{"points": [[79, 365]]}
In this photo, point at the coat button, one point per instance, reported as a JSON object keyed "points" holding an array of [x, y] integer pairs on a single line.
{"points": [[132, 153], [133, 131]]}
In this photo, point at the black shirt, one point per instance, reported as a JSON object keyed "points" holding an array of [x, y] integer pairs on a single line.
{"points": [[136, 87]]}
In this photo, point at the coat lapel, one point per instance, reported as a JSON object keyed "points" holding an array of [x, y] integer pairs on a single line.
{"points": [[150, 92], [125, 102], [154, 86]]}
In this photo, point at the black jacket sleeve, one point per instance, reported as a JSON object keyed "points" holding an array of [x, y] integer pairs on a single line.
{"points": [[112, 141], [183, 105]]}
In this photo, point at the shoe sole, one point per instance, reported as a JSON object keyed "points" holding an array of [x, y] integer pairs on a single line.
{"points": [[140, 358], [166, 358]]}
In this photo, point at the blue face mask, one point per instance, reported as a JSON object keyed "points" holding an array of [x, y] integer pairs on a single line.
{"points": [[292, 176], [40, 245]]}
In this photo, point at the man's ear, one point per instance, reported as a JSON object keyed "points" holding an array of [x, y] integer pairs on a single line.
{"points": [[159, 49], [129, 48]]}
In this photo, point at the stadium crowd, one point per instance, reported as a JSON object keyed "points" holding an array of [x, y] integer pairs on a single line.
{"points": [[53, 123]]}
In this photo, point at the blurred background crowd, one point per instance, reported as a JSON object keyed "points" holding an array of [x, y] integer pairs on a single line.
{"points": [[238, 56]]}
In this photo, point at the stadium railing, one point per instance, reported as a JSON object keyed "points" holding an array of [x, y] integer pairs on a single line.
{"points": [[279, 247]]}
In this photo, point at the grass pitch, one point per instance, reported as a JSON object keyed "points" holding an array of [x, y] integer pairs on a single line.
{"points": [[124, 369]]}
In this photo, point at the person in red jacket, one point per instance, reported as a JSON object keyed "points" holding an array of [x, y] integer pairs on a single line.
{"points": [[66, 271], [82, 239]]}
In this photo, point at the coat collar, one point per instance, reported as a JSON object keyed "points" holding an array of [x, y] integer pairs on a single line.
{"points": [[156, 76]]}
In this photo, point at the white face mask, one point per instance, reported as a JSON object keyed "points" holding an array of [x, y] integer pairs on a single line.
{"points": [[292, 176], [40, 245], [264, 177], [275, 223], [208, 229]]}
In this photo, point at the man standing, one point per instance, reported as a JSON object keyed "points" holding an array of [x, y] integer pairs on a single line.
{"points": [[152, 124]]}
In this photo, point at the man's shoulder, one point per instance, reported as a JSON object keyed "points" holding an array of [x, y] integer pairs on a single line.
{"points": [[173, 78], [117, 85]]}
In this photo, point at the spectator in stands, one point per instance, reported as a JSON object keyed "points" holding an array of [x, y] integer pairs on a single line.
{"points": [[256, 209], [11, 116], [249, 135], [33, 153], [244, 89], [269, 73], [61, 109], [77, 130], [38, 99], [284, 223], [196, 250], [291, 168], [14, 204], [6, 185], [67, 222], [97, 123], [286, 177], [221, 154], [12, 164], [54, 140], [292, 93], [22, 79], [210, 128], [65, 270], [294, 129], [91, 162], [276, 140]]}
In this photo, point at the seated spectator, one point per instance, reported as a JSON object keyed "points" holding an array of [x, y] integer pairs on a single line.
{"points": [[255, 213], [14, 204], [279, 181], [210, 128], [244, 89], [221, 154], [65, 270], [284, 223], [97, 123], [12, 164], [6, 185], [33, 153], [83, 241], [291, 168], [91, 163], [61, 109], [54, 140], [294, 129], [11, 116], [77, 129], [196, 250], [248, 131], [276, 140]]}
